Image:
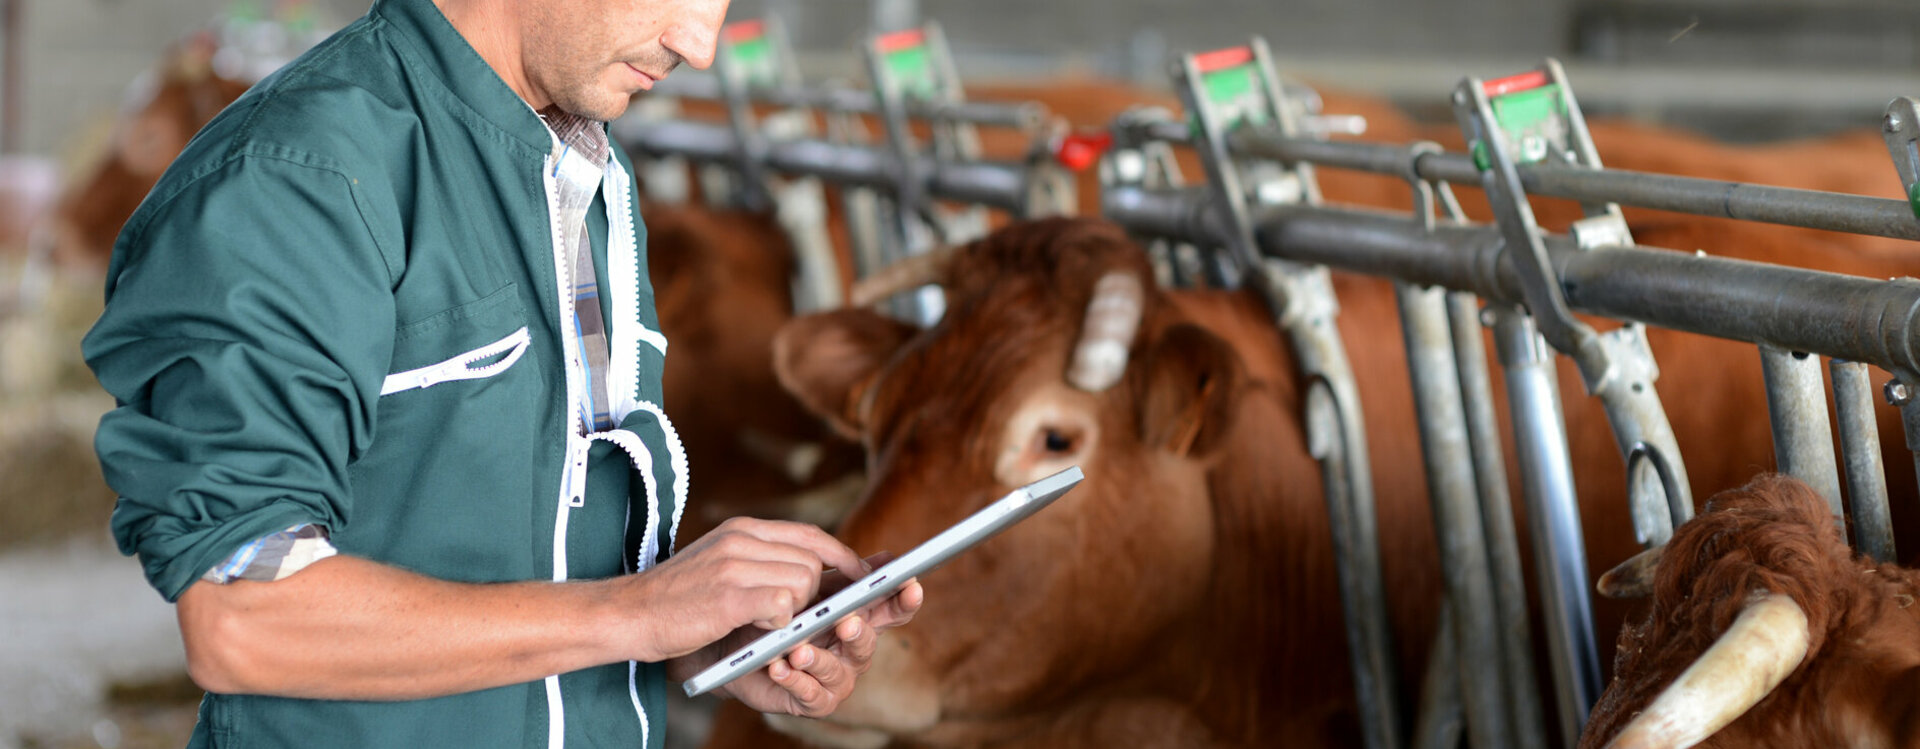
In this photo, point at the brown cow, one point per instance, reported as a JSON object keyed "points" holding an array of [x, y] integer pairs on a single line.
{"points": [[1772, 633], [722, 284], [943, 410], [1178, 596]]}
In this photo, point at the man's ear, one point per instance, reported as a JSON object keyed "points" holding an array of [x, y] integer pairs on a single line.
{"points": [[827, 360], [1193, 380]]}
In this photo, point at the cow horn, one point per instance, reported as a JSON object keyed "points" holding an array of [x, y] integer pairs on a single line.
{"points": [[1632, 578], [1765, 644], [1100, 358], [910, 272]]}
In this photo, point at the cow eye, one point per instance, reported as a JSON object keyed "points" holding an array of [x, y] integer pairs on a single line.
{"points": [[1057, 442]]}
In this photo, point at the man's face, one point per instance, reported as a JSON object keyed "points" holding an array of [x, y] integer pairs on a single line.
{"points": [[590, 56]]}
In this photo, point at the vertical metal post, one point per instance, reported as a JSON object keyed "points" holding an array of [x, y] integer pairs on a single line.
{"points": [[1457, 519], [1900, 392], [10, 78], [1336, 437], [1553, 512], [1802, 435], [1439, 725], [1860, 447], [1496, 509]]}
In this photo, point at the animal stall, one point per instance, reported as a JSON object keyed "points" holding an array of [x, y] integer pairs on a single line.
{"points": [[1260, 222], [1527, 137]]}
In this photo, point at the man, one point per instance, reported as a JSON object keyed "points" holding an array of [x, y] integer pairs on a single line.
{"points": [[387, 362]]}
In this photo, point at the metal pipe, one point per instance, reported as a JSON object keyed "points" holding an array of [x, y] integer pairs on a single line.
{"points": [[1802, 435], [1553, 512], [1859, 319], [1813, 209], [1496, 510], [1356, 551], [1457, 518], [1900, 392], [11, 76], [996, 184], [1860, 447], [1440, 724], [1019, 115]]}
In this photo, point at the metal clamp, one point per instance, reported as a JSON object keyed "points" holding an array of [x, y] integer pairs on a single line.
{"points": [[1902, 131], [1536, 115]]}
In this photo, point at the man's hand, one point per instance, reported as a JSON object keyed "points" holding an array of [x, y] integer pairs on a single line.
{"points": [[812, 680], [745, 572]]}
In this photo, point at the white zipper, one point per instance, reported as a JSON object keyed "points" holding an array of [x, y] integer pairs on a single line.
{"points": [[461, 367], [556, 705]]}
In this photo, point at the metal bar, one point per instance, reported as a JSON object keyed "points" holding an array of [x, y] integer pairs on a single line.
{"points": [[1496, 510], [1553, 512], [1018, 115], [1859, 319], [1900, 392], [11, 76], [1001, 185], [1802, 435], [1457, 518], [1439, 724], [1813, 209], [1330, 405], [1860, 447]]}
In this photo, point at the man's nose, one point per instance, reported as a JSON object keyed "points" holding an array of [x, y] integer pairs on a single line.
{"points": [[693, 38]]}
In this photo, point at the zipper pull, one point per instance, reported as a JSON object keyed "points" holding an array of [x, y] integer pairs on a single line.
{"points": [[577, 450]]}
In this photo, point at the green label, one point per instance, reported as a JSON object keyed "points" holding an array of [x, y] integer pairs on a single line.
{"points": [[1236, 94], [1913, 199], [912, 69], [756, 60], [1534, 121]]}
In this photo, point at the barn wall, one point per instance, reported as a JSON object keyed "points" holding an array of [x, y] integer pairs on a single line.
{"points": [[1850, 56]]}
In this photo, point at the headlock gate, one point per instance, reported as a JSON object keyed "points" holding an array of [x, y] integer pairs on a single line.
{"points": [[1259, 221]]}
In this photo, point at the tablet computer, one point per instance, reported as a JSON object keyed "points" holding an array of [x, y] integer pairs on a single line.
{"points": [[1016, 506]]}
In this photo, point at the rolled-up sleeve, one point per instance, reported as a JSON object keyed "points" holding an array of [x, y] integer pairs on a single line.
{"points": [[248, 324]]}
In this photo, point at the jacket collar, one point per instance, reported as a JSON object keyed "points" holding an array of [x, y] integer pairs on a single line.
{"points": [[455, 62]]}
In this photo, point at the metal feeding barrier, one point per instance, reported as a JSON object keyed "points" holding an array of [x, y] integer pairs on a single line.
{"points": [[900, 193], [1261, 220]]}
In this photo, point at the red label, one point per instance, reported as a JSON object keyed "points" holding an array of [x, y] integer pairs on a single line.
{"points": [[900, 40], [1512, 83], [742, 31], [1207, 62], [1081, 150]]}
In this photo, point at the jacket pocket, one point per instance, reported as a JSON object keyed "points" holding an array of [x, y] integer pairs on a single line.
{"points": [[480, 363]]}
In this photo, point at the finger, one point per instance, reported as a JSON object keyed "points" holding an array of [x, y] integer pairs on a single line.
{"points": [[896, 609], [806, 695], [771, 601], [857, 641], [822, 545], [832, 673]]}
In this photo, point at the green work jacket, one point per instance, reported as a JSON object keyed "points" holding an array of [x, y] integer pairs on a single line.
{"points": [[343, 305]]}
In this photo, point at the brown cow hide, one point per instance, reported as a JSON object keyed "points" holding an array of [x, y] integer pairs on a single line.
{"points": [[1775, 535]]}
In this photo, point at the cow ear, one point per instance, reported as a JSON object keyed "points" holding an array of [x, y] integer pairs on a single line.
{"points": [[1192, 381], [827, 361]]}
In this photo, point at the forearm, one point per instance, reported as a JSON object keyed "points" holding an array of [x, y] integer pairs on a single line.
{"points": [[348, 628]]}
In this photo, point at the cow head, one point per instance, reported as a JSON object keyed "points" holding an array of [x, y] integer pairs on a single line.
{"points": [[1055, 350], [1766, 631]]}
